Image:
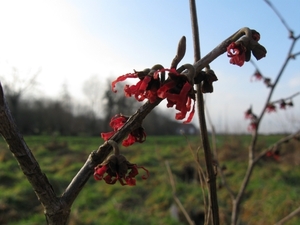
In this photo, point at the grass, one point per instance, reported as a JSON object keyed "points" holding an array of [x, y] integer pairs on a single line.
{"points": [[272, 193]]}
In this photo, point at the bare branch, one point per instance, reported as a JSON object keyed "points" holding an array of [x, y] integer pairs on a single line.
{"points": [[288, 217], [279, 16], [280, 142], [29, 164]]}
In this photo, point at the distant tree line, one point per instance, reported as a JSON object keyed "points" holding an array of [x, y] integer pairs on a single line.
{"points": [[62, 117]]}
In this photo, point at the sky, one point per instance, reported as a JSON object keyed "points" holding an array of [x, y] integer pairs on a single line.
{"points": [[70, 42]]}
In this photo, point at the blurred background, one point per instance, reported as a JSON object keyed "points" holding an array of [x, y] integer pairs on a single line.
{"points": [[57, 59]]}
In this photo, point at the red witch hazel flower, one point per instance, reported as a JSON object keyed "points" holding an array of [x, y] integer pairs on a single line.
{"points": [[138, 135], [257, 76], [270, 108], [250, 115], [117, 168], [240, 51], [237, 53], [253, 125], [179, 92], [273, 153], [145, 88], [283, 104]]}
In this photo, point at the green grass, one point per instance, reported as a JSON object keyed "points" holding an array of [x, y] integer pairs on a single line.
{"points": [[273, 191]]}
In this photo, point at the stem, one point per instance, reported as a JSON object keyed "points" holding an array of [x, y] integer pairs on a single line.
{"points": [[201, 114]]}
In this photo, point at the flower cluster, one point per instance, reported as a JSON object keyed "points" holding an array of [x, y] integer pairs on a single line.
{"points": [[257, 76], [283, 104], [273, 154], [253, 119], [137, 135], [240, 51], [117, 168], [271, 107], [177, 89], [145, 88]]}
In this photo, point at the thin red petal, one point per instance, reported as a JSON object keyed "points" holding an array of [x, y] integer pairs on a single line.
{"points": [[107, 135], [99, 172], [128, 141], [122, 78], [161, 92]]}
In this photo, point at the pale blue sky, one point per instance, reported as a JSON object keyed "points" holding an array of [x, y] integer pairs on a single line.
{"points": [[72, 40]]}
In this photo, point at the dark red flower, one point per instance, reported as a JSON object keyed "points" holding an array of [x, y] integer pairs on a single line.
{"points": [[249, 114], [117, 168], [256, 76], [282, 104], [179, 93], [138, 135], [237, 52], [270, 108], [267, 82], [252, 126], [273, 154]]}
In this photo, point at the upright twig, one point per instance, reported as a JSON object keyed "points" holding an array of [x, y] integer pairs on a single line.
{"points": [[177, 200], [213, 198]]}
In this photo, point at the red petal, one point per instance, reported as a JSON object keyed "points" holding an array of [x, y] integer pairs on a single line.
{"points": [[122, 78], [129, 141], [117, 122], [130, 181], [107, 135], [99, 172], [161, 92], [189, 119], [145, 83]]}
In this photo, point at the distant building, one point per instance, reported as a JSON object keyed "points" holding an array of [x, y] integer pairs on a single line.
{"points": [[189, 128]]}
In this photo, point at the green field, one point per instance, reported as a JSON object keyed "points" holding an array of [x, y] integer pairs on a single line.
{"points": [[272, 194]]}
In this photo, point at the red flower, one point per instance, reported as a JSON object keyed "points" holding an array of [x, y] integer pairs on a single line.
{"points": [[249, 114], [282, 104], [257, 75], [144, 89], [273, 154], [270, 108], [138, 135], [179, 93], [252, 126], [117, 168], [237, 52]]}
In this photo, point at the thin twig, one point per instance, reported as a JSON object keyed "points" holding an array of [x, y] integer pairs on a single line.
{"points": [[172, 182], [279, 142], [213, 198], [288, 217], [202, 176], [287, 98], [214, 145], [278, 14]]}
